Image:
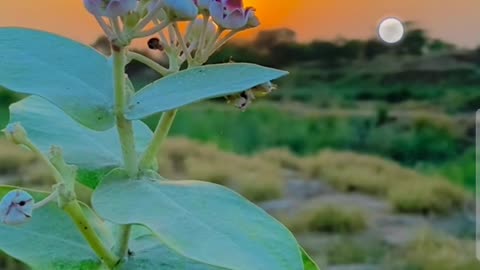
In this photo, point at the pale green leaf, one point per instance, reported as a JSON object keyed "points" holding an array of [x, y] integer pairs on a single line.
{"points": [[197, 84], [94, 152], [73, 76], [49, 241], [150, 253], [308, 262], [201, 221]]}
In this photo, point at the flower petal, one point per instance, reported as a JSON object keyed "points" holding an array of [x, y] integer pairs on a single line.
{"points": [[120, 7], [96, 7]]}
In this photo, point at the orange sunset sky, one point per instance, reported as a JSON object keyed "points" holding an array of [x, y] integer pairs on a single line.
{"points": [[457, 21]]}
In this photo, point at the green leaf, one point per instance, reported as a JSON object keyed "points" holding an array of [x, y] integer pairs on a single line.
{"points": [[150, 253], [204, 222], [94, 152], [197, 84], [308, 262], [73, 76], [49, 241]]}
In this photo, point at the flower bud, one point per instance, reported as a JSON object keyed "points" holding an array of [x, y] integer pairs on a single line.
{"points": [[110, 8], [203, 5], [16, 133], [180, 9], [231, 14], [16, 207]]}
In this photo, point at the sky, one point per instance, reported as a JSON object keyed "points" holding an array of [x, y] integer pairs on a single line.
{"points": [[456, 21]]}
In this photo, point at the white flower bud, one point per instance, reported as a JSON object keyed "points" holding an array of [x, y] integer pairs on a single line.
{"points": [[16, 207], [179, 10], [16, 133]]}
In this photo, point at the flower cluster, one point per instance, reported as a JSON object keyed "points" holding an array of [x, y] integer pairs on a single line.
{"points": [[209, 24], [228, 14]]}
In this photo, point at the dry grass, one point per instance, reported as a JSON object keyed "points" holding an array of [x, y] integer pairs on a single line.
{"points": [[326, 219], [406, 189], [22, 164], [260, 178], [431, 251], [427, 197], [350, 250], [282, 157], [12, 158], [252, 177]]}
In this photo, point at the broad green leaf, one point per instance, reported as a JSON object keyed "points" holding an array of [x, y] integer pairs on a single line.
{"points": [[150, 253], [73, 76], [197, 84], [94, 152], [49, 241], [308, 262], [201, 221]]}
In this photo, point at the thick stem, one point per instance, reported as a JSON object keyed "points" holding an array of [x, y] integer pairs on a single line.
{"points": [[124, 126], [159, 136], [121, 247], [125, 132], [74, 210]]}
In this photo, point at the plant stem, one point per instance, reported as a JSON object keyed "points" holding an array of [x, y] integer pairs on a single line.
{"points": [[149, 62], [182, 42], [53, 196], [152, 30], [55, 173], [159, 136], [121, 247], [124, 126], [222, 41], [125, 133], [74, 210], [203, 36], [108, 31]]}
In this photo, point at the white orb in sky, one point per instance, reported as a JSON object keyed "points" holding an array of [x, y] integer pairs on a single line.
{"points": [[391, 30]]}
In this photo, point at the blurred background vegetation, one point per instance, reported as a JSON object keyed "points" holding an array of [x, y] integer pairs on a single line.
{"points": [[366, 151]]}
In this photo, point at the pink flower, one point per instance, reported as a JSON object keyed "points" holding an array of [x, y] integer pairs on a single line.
{"points": [[110, 8], [231, 14]]}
